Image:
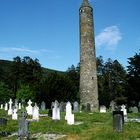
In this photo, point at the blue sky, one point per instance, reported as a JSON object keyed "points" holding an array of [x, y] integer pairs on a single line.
{"points": [[49, 30]]}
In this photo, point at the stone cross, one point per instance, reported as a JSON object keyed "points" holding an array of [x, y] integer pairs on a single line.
{"points": [[29, 108], [10, 107], [23, 131], [123, 108], [56, 111]]}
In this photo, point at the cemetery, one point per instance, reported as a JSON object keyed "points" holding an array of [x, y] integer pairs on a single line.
{"points": [[33, 122], [96, 100]]}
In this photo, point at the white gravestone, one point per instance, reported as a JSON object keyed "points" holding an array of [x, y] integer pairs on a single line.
{"points": [[69, 116], [35, 113], [6, 106], [14, 114], [102, 109], [29, 108], [123, 108], [56, 111], [1, 106], [10, 107], [19, 106]]}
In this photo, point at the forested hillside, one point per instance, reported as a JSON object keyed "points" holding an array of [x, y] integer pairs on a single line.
{"points": [[24, 78]]}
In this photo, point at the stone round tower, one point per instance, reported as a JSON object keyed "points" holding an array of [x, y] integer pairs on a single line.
{"points": [[88, 72]]}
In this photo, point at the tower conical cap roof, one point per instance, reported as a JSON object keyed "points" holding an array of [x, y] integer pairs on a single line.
{"points": [[85, 3]]}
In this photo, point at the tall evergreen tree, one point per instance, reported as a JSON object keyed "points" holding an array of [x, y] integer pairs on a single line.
{"points": [[134, 78]]}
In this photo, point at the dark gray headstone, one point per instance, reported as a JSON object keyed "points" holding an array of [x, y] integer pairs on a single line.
{"points": [[75, 106], [23, 131], [3, 121], [43, 105], [139, 105], [86, 108], [118, 121], [62, 106], [50, 112]]}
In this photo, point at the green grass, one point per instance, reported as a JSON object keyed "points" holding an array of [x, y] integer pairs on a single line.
{"points": [[95, 126]]}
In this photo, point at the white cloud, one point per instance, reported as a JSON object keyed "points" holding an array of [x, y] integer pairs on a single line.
{"points": [[18, 50], [10, 52], [109, 37]]}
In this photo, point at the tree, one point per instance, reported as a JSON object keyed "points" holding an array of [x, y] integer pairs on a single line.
{"points": [[74, 74], [26, 93], [112, 81], [15, 74], [5, 93], [58, 87], [25, 71], [134, 78]]}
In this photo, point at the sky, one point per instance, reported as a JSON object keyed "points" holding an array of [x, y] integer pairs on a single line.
{"points": [[49, 30]]}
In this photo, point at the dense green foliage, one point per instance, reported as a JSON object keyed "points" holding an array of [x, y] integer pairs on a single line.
{"points": [[25, 78], [134, 79]]}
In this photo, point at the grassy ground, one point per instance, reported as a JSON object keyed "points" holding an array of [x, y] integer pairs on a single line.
{"points": [[95, 126]]}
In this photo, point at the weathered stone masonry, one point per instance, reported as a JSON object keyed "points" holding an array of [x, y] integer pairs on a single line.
{"points": [[88, 72]]}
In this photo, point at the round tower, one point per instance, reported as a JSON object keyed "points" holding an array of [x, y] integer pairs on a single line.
{"points": [[88, 70]]}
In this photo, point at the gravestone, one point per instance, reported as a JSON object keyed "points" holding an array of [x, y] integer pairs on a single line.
{"points": [[50, 112], [123, 108], [88, 109], [35, 113], [134, 109], [69, 116], [112, 106], [43, 105], [68, 110], [19, 105], [10, 107], [22, 103], [56, 111], [102, 109], [29, 108], [75, 107], [16, 103], [139, 106], [3, 121], [118, 121], [62, 106], [1, 106], [23, 131], [6, 106], [14, 114]]}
